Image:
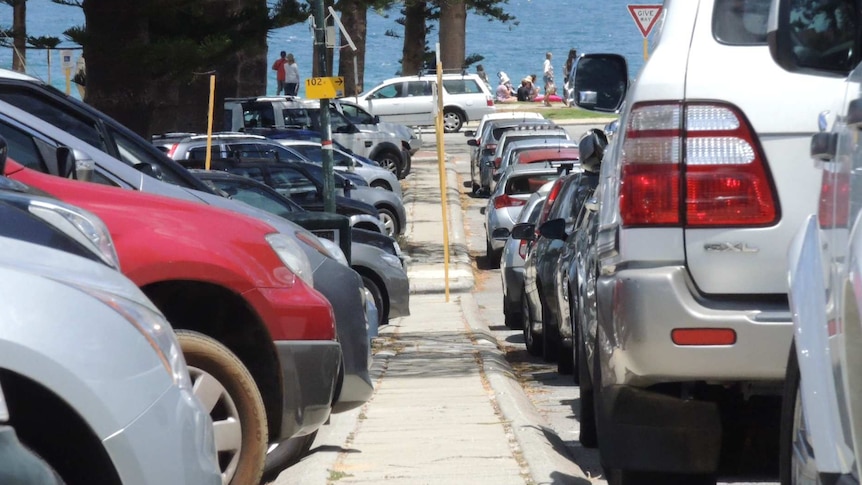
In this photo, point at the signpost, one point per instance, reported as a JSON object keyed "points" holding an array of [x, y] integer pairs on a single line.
{"points": [[324, 87], [645, 17]]}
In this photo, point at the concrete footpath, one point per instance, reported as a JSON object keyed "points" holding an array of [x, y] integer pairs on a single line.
{"points": [[447, 407]]}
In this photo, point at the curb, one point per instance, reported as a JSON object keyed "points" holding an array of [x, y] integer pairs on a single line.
{"points": [[460, 269], [534, 440]]}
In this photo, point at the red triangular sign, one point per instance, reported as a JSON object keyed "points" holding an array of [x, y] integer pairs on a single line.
{"points": [[645, 16]]}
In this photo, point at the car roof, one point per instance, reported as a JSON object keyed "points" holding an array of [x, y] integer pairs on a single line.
{"points": [[506, 115], [548, 154]]}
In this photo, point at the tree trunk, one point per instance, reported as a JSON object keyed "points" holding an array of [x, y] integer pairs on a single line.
{"points": [[414, 37], [117, 35], [19, 35], [354, 19], [453, 32]]}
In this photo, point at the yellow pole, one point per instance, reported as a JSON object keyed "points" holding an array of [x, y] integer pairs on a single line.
{"points": [[210, 122], [646, 49], [68, 72], [441, 163]]}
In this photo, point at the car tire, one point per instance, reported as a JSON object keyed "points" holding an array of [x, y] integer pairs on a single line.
{"points": [[453, 120], [382, 311], [390, 221], [216, 371], [589, 437], [533, 344], [550, 337], [565, 356], [795, 464], [390, 160], [491, 256], [475, 188], [286, 454], [512, 316]]}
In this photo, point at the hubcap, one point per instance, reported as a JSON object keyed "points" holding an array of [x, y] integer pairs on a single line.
{"points": [[452, 122], [388, 164], [226, 424], [388, 223], [803, 467]]}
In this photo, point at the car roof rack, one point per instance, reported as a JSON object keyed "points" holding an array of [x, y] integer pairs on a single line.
{"points": [[263, 98], [425, 71]]}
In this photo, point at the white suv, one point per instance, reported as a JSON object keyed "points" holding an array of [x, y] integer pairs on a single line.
{"points": [[703, 188], [409, 100]]}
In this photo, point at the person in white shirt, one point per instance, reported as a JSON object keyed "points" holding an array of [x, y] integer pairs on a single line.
{"points": [[291, 76]]}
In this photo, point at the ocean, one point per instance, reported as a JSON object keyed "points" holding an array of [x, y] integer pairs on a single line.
{"points": [[517, 48]]}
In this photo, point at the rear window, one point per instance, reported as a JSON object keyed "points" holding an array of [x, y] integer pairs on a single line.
{"points": [[740, 22], [527, 184], [461, 86]]}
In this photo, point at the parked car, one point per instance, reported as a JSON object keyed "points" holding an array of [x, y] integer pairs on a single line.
{"points": [[362, 117], [121, 158], [286, 113], [409, 100], [506, 203], [566, 230], [693, 325], [819, 415], [358, 143], [376, 176], [482, 166], [476, 136], [249, 290], [541, 283], [514, 252], [540, 151], [124, 411], [376, 257]]}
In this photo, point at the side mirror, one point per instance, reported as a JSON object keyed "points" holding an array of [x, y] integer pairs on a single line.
{"points": [[601, 82], [470, 134], [65, 162], [84, 166], [473, 142], [591, 149], [500, 233], [554, 229], [824, 145], [375, 120], [524, 231], [150, 169]]}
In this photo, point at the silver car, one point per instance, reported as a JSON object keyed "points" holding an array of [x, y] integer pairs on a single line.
{"points": [[512, 260], [364, 119], [376, 176], [506, 202], [85, 354]]}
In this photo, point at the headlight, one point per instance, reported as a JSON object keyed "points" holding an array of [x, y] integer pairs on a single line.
{"points": [[154, 328], [291, 255], [81, 225], [391, 260], [334, 251]]}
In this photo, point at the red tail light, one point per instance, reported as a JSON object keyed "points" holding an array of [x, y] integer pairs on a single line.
{"points": [[522, 248], [694, 164], [549, 202], [506, 201], [834, 207], [172, 150]]}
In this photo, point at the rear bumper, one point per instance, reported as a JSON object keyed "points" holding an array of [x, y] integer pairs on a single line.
{"points": [[639, 308], [310, 375]]}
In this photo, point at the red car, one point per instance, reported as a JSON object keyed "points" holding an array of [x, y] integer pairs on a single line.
{"points": [[259, 340]]}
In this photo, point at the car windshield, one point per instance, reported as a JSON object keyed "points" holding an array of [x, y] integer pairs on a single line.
{"points": [[254, 196], [521, 184]]}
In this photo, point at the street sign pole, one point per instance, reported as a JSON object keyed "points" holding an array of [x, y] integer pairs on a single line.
{"points": [[645, 17], [325, 128]]}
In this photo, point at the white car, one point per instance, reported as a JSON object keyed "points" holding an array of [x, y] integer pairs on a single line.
{"points": [[820, 418], [409, 100], [708, 180]]}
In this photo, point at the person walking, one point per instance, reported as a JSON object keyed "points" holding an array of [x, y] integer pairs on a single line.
{"points": [[548, 78], [567, 72], [278, 67], [291, 77]]}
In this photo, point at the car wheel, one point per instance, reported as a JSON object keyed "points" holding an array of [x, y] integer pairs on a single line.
{"points": [[227, 390], [534, 345], [382, 311], [550, 337], [589, 438], [475, 188], [511, 316], [492, 256], [391, 161], [566, 357], [390, 222], [452, 120], [795, 456], [380, 184], [286, 454]]}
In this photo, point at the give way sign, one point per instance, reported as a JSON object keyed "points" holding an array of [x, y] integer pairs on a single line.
{"points": [[645, 16]]}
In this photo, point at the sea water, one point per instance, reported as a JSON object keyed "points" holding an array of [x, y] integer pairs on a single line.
{"points": [[517, 48]]}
